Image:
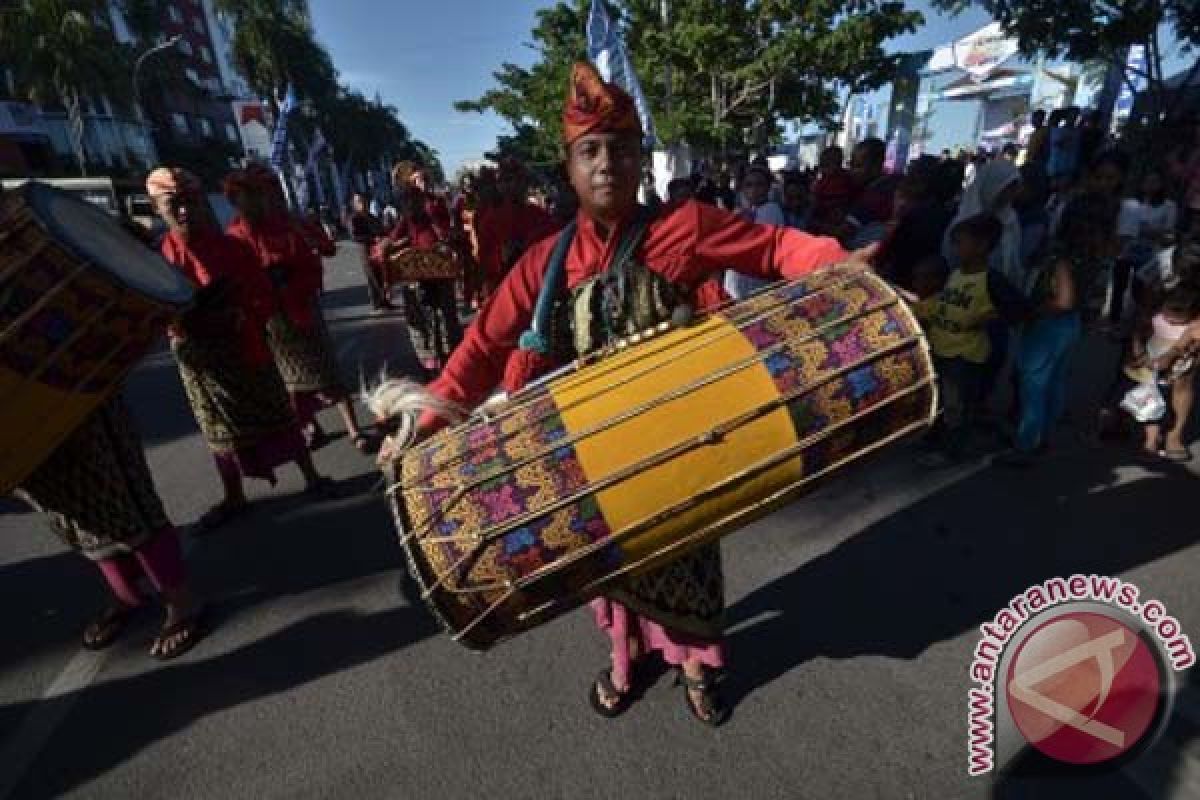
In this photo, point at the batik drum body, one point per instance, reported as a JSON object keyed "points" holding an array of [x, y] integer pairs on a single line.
{"points": [[81, 301], [666, 444]]}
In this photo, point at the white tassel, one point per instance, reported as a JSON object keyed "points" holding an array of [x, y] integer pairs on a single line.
{"points": [[403, 401]]}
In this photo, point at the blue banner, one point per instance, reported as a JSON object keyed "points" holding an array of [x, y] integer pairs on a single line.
{"points": [[607, 51], [279, 142]]}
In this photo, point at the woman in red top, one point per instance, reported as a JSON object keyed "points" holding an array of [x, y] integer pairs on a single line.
{"points": [[676, 611], [298, 337], [231, 381]]}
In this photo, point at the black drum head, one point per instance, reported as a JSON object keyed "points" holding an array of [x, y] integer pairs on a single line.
{"points": [[95, 237]]}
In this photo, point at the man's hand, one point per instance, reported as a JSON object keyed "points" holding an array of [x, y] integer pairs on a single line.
{"points": [[864, 256]]}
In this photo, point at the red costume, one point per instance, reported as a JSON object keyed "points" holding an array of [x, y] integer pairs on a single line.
{"points": [[285, 258], [212, 256]]}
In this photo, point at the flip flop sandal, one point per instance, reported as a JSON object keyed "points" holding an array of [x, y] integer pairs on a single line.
{"points": [[222, 514], [109, 626], [193, 630], [603, 683], [711, 711], [1178, 456]]}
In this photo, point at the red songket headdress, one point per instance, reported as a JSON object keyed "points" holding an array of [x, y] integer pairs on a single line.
{"points": [[594, 106]]}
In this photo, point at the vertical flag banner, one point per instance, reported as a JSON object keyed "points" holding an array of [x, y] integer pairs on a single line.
{"points": [[279, 142], [312, 165], [607, 51]]}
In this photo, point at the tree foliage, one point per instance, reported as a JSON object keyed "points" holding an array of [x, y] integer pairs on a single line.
{"points": [[716, 73]]}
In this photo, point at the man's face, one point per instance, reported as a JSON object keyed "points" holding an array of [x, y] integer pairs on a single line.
{"points": [[604, 169]]}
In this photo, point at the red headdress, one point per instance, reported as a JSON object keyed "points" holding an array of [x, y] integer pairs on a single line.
{"points": [[594, 106]]}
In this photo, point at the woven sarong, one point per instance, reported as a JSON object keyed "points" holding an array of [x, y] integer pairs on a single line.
{"points": [[96, 487]]}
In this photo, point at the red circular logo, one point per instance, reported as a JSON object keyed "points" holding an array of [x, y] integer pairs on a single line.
{"points": [[1083, 688]]}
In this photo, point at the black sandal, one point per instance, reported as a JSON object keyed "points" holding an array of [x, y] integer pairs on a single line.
{"points": [[363, 443], [191, 626], [711, 711], [604, 684], [108, 627]]}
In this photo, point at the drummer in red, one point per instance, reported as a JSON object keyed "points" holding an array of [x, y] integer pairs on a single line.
{"points": [[298, 337], [676, 611], [232, 385], [506, 229], [424, 224]]}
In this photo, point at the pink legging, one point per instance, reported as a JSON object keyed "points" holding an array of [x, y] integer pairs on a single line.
{"points": [[160, 559]]}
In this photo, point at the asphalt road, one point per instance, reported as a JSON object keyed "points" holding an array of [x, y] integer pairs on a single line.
{"points": [[853, 614]]}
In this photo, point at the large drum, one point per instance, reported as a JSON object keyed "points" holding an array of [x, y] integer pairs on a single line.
{"points": [[660, 446], [81, 300]]}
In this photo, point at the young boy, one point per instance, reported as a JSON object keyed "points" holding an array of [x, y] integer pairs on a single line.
{"points": [[956, 323]]}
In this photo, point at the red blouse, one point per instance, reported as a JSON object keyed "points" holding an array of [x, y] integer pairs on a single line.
{"points": [[208, 257], [278, 243]]}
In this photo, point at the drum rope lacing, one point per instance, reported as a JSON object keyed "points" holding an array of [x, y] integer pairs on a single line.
{"points": [[648, 405], [739, 325], [487, 536], [708, 531], [703, 342]]}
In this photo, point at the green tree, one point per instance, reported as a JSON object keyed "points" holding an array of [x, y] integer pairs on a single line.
{"points": [[718, 74], [274, 47], [63, 51], [1099, 31]]}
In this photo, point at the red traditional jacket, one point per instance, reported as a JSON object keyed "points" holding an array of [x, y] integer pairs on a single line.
{"points": [[688, 244], [280, 248], [207, 257], [508, 225]]}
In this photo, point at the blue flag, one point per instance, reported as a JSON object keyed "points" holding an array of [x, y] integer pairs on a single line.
{"points": [[607, 51], [279, 142]]}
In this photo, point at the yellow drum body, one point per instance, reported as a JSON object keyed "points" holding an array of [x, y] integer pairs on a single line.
{"points": [[661, 446], [80, 303]]}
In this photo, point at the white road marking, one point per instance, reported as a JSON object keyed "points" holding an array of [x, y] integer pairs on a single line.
{"points": [[29, 738]]}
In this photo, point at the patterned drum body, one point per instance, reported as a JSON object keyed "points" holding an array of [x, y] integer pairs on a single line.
{"points": [[509, 520], [413, 265], [81, 301]]}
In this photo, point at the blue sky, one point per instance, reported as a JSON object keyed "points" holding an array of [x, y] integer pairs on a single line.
{"points": [[421, 56]]}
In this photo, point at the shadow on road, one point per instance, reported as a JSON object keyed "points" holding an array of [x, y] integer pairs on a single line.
{"points": [[163, 701], [946, 564], [286, 546]]}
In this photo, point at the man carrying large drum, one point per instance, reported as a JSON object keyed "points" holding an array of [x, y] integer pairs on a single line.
{"points": [[616, 270]]}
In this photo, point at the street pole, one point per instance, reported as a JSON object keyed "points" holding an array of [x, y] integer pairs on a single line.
{"points": [[137, 68]]}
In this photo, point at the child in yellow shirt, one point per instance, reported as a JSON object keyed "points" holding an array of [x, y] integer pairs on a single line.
{"points": [[955, 321]]}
